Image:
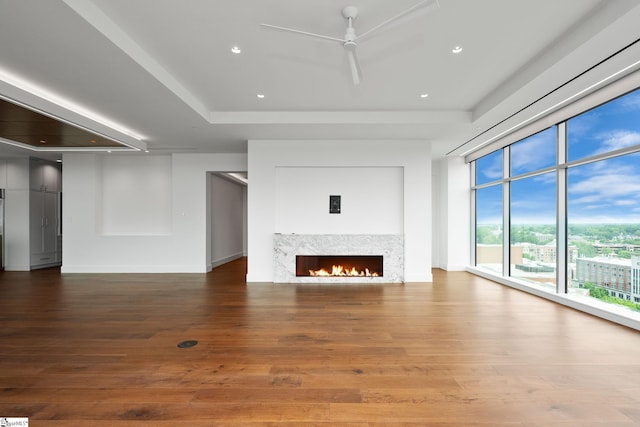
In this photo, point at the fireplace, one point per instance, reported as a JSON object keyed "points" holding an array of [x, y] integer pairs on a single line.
{"points": [[339, 266], [295, 254]]}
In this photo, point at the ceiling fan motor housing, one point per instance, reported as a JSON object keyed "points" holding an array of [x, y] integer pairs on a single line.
{"points": [[350, 12], [350, 36]]}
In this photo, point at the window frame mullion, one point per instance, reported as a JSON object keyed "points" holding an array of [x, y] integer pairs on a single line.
{"points": [[562, 285], [506, 212]]}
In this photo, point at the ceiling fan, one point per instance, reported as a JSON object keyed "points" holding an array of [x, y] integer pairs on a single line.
{"points": [[351, 39]]}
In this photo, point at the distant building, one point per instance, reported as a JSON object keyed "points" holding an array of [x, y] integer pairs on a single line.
{"points": [[541, 253], [619, 277], [603, 249], [547, 253], [635, 278], [535, 268], [492, 254]]}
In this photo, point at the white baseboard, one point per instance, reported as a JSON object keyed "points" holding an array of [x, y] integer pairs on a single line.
{"points": [[259, 278], [454, 268], [219, 262], [418, 279], [17, 267], [133, 269]]}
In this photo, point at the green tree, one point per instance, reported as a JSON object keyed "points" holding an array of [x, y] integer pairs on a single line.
{"points": [[488, 235], [602, 294], [624, 254], [598, 292], [585, 250]]}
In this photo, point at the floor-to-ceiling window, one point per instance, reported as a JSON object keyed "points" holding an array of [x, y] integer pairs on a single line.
{"points": [[572, 212], [489, 212], [533, 209], [603, 200]]}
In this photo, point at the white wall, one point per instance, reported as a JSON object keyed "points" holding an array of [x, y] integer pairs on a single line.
{"points": [[186, 248], [136, 196], [436, 195], [412, 157], [3, 185], [371, 200], [3, 174], [454, 214], [228, 213], [16, 233]]}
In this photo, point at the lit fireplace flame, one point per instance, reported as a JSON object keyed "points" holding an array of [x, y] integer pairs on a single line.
{"points": [[339, 270]]}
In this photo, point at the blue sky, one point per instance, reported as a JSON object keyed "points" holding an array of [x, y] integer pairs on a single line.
{"points": [[607, 191], [604, 192]]}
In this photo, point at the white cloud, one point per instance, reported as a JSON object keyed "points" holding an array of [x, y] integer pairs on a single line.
{"points": [[603, 219], [590, 169], [618, 139], [534, 218], [582, 124], [585, 199], [631, 101], [546, 179], [492, 174], [534, 204], [607, 186], [605, 192], [489, 168], [592, 207], [535, 152]]}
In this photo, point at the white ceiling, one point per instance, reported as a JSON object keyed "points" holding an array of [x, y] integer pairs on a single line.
{"points": [[163, 69]]}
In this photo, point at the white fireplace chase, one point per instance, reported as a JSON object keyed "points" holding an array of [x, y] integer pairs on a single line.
{"points": [[338, 258]]}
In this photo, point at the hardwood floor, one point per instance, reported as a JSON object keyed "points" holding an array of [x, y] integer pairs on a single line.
{"points": [[101, 350]]}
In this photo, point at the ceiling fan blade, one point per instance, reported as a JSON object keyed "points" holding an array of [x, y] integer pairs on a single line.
{"points": [[304, 33], [354, 64], [428, 4]]}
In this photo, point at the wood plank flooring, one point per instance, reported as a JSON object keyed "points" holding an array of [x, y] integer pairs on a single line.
{"points": [[101, 350]]}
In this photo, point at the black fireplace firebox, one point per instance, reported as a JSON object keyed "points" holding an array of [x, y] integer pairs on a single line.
{"points": [[339, 265]]}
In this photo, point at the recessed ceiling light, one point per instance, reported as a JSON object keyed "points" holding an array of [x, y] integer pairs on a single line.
{"points": [[457, 49], [260, 95], [236, 49], [424, 95], [42, 141]]}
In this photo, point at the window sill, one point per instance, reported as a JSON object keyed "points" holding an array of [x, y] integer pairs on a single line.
{"points": [[620, 315]]}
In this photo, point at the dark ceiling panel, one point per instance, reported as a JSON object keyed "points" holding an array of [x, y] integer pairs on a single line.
{"points": [[29, 127]]}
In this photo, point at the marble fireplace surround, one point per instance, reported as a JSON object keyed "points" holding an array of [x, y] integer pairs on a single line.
{"points": [[287, 246]]}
